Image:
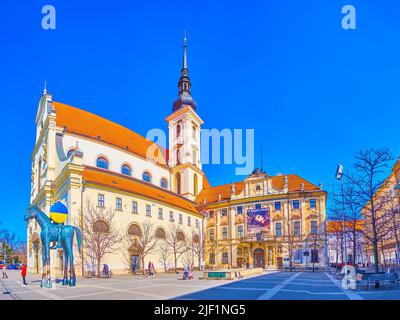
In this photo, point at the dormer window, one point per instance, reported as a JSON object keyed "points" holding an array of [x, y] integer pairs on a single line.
{"points": [[102, 162], [126, 170], [146, 177]]}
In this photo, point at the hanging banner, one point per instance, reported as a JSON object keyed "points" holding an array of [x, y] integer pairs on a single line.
{"points": [[258, 220]]}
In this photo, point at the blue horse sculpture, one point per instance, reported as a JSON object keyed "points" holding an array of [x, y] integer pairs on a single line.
{"points": [[49, 233]]}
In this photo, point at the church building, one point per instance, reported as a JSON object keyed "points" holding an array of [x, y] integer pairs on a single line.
{"points": [[86, 161]]}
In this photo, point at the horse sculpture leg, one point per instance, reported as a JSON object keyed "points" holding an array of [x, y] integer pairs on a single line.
{"points": [[65, 265], [47, 257], [44, 266], [72, 279]]}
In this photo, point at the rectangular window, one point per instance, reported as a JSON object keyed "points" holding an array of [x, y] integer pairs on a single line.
{"points": [[134, 207], [211, 234], [278, 229], [239, 209], [197, 223], [160, 213], [148, 210], [100, 200], [296, 204], [313, 203], [313, 228], [225, 257], [277, 205], [224, 213], [171, 216], [180, 218], [258, 206], [211, 258], [118, 204], [189, 221], [211, 214], [225, 233], [296, 228], [240, 232]]}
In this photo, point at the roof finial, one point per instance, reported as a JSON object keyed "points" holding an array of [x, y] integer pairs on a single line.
{"points": [[44, 89], [184, 62]]}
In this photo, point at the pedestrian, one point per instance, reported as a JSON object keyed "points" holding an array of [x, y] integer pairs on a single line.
{"points": [[4, 269], [23, 274], [153, 270], [149, 269]]}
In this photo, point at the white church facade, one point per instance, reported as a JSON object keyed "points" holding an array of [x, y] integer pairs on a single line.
{"points": [[84, 160]]}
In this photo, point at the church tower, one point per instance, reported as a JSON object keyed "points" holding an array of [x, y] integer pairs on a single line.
{"points": [[184, 139]]}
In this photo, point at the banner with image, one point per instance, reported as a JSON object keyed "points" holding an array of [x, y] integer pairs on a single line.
{"points": [[258, 220]]}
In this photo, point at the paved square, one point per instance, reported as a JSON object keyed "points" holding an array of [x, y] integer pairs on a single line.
{"points": [[271, 285]]}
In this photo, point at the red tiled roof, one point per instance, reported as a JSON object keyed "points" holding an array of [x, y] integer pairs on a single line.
{"points": [[135, 186], [212, 194], [89, 125]]}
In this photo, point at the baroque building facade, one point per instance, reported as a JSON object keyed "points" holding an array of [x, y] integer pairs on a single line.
{"points": [[290, 210], [82, 160]]}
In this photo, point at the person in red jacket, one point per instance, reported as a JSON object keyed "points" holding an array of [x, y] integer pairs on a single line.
{"points": [[23, 274]]}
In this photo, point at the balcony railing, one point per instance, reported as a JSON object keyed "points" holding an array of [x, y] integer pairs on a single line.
{"points": [[256, 238]]}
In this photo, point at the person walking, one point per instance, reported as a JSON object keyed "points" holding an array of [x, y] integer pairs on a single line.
{"points": [[149, 267], [23, 274], [153, 270], [4, 269]]}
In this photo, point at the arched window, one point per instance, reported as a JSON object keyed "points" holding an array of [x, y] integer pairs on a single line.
{"points": [[100, 226], [147, 176], [126, 169], [195, 184], [160, 233], [178, 130], [178, 156], [180, 236], [102, 162], [178, 182], [194, 132], [164, 183], [134, 230]]}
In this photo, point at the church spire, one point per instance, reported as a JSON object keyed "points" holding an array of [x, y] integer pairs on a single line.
{"points": [[44, 88], [184, 84]]}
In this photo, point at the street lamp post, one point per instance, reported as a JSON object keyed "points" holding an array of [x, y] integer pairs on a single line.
{"points": [[396, 195], [339, 176]]}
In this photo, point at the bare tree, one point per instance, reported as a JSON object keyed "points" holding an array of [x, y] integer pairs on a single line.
{"points": [[346, 207], [99, 234], [214, 248], [197, 245], [176, 240], [142, 240], [164, 255], [370, 194]]}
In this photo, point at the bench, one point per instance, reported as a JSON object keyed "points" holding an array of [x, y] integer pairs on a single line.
{"points": [[390, 278]]}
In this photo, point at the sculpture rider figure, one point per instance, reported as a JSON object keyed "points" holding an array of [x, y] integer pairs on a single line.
{"points": [[60, 227]]}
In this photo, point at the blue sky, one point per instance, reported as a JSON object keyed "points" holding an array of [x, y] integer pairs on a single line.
{"points": [[313, 92]]}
